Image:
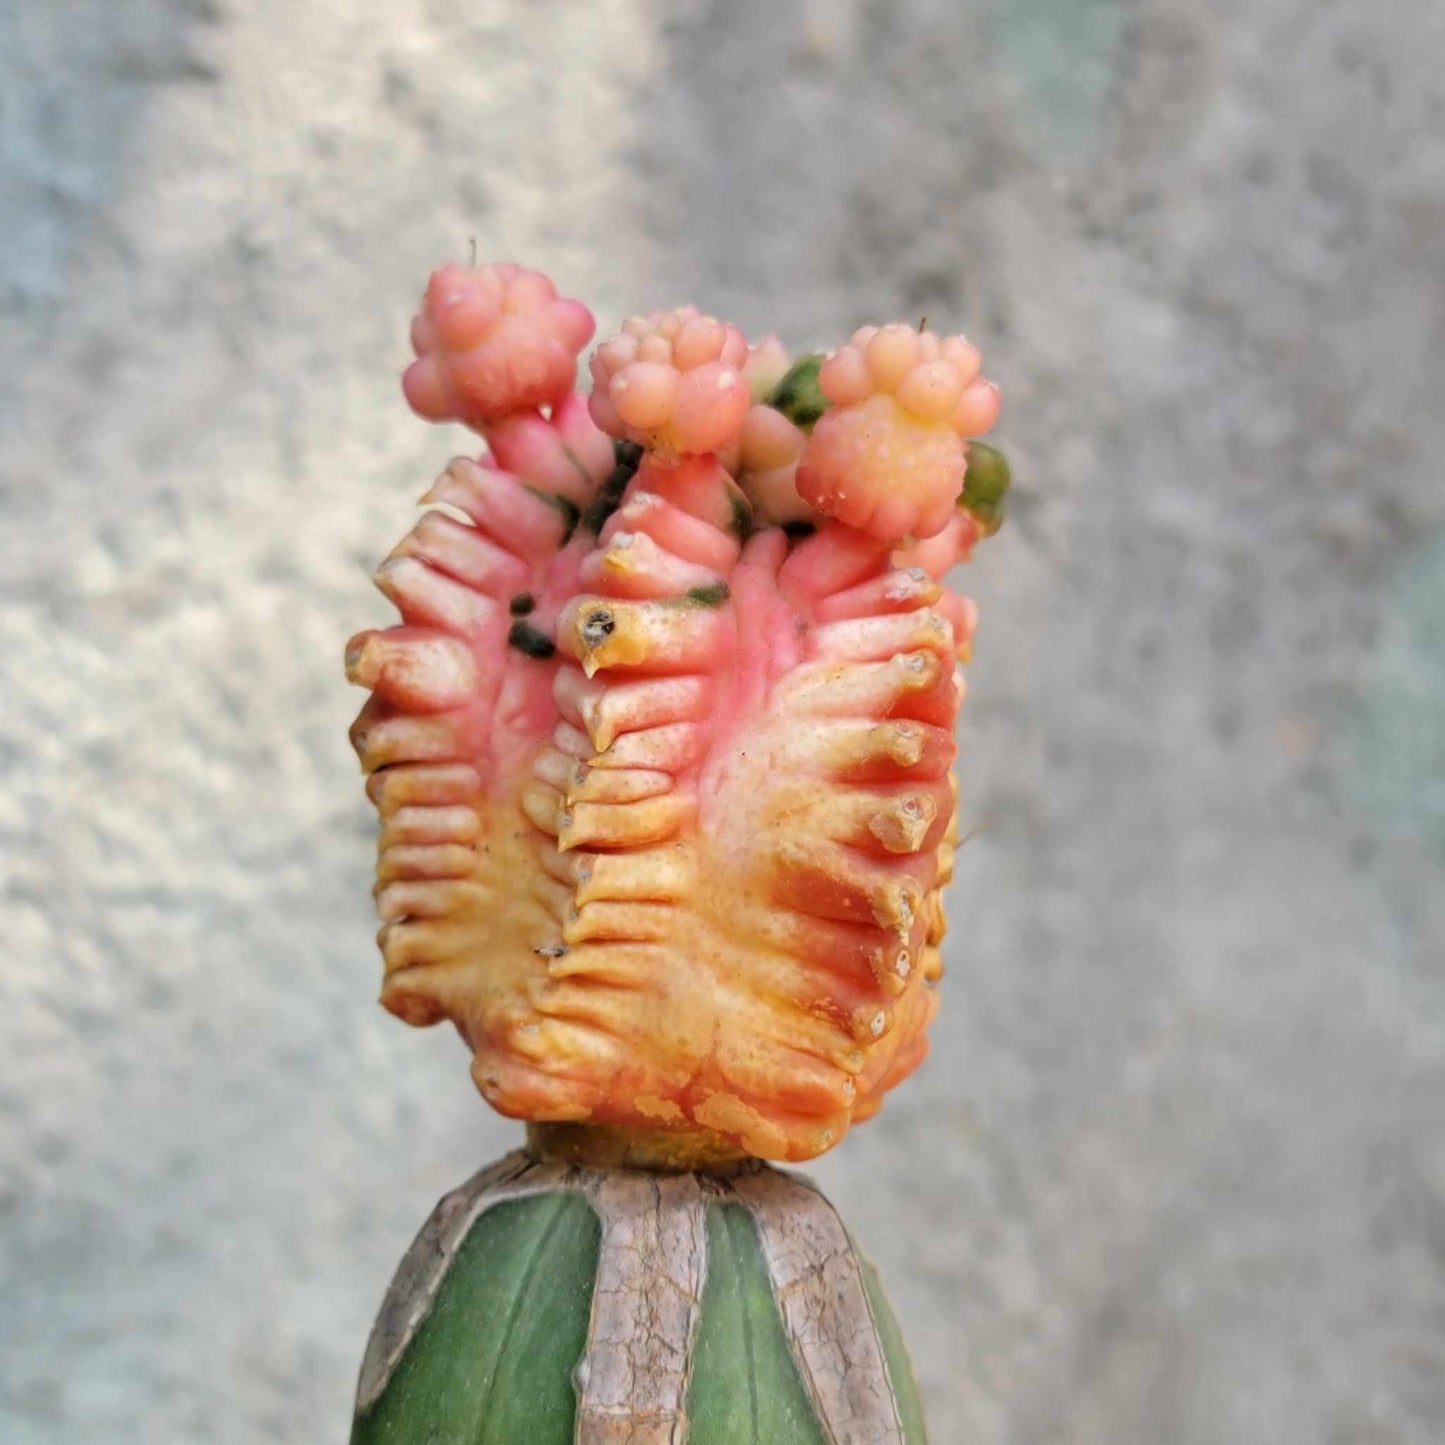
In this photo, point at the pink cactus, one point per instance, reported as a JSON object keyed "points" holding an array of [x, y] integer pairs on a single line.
{"points": [[491, 341], [888, 456], [664, 782], [673, 382]]}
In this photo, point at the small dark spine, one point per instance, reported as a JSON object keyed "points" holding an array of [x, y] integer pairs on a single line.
{"points": [[741, 522]]}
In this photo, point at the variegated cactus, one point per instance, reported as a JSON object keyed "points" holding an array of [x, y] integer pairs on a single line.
{"points": [[662, 745]]}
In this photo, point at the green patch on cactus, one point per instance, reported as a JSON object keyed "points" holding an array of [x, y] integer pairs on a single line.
{"points": [[798, 395], [741, 524], [710, 594], [985, 485], [577, 462], [567, 510], [627, 457], [492, 1363], [745, 1388], [895, 1355]]}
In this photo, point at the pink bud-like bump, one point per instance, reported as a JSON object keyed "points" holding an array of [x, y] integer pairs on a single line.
{"points": [[888, 456], [490, 341], [770, 447], [767, 364], [673, 382]]}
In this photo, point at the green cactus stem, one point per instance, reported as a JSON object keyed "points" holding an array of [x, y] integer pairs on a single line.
{"points": [[549, 1304]]}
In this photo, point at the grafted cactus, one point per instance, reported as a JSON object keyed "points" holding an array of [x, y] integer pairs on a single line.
{"points": [[662, 744]]}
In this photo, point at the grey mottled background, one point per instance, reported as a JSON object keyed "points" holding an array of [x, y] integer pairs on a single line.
{"points": [[1177, 1170]]}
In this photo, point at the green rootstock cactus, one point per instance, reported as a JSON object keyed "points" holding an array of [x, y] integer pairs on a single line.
{"points": [[549, 1304]]}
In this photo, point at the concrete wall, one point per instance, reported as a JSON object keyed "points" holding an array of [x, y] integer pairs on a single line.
{"points": [[1177, 1170]]}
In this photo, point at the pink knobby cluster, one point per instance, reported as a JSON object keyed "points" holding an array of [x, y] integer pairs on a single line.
{"points": [[672, 382], [888, 456], [879, 443], [493, 340]]}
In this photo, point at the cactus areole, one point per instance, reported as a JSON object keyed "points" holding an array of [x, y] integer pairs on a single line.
{"points": [[661, 748]]}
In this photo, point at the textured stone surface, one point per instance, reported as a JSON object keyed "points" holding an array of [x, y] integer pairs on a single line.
{"points": [[1177, 1169]]}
